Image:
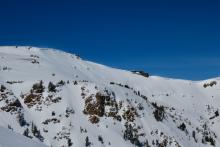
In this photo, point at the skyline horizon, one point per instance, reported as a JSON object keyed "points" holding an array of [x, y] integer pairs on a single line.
{"points": [[120, 68]]}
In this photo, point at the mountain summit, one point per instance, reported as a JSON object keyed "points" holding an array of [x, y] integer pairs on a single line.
{"points": [[60, 100]]}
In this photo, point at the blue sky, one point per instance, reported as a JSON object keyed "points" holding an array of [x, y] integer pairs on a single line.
{"points": [[179, 39]]}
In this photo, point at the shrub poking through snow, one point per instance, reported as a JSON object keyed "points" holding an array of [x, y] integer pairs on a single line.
{"points": [[95, 106], [32, 99], [129, 114], [94, 119]]}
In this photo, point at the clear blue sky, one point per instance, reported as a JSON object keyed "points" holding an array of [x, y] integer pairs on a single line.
{"points": [[179, 38]]}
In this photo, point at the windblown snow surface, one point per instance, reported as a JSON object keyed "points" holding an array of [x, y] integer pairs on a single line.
{"points": [[60, 100]]}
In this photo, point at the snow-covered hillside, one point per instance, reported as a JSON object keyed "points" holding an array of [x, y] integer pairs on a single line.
{"points": [[10, 139], [61, 100]]}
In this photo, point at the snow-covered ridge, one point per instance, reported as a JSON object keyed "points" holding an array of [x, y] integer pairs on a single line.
{"points": [[61, 100]]}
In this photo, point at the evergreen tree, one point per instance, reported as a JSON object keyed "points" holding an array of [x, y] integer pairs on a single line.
{"points": [[88, 143], [51, 87], [26, 132]]}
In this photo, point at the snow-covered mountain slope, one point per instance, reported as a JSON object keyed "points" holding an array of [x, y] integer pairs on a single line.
{"points": [[10, 139], [62, 100]]}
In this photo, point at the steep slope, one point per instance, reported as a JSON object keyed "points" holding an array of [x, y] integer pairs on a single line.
{"points": [[62, 100], [10, 139]]}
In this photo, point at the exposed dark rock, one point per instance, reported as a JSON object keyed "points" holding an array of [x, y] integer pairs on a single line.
{"points": [[142, 73]]}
